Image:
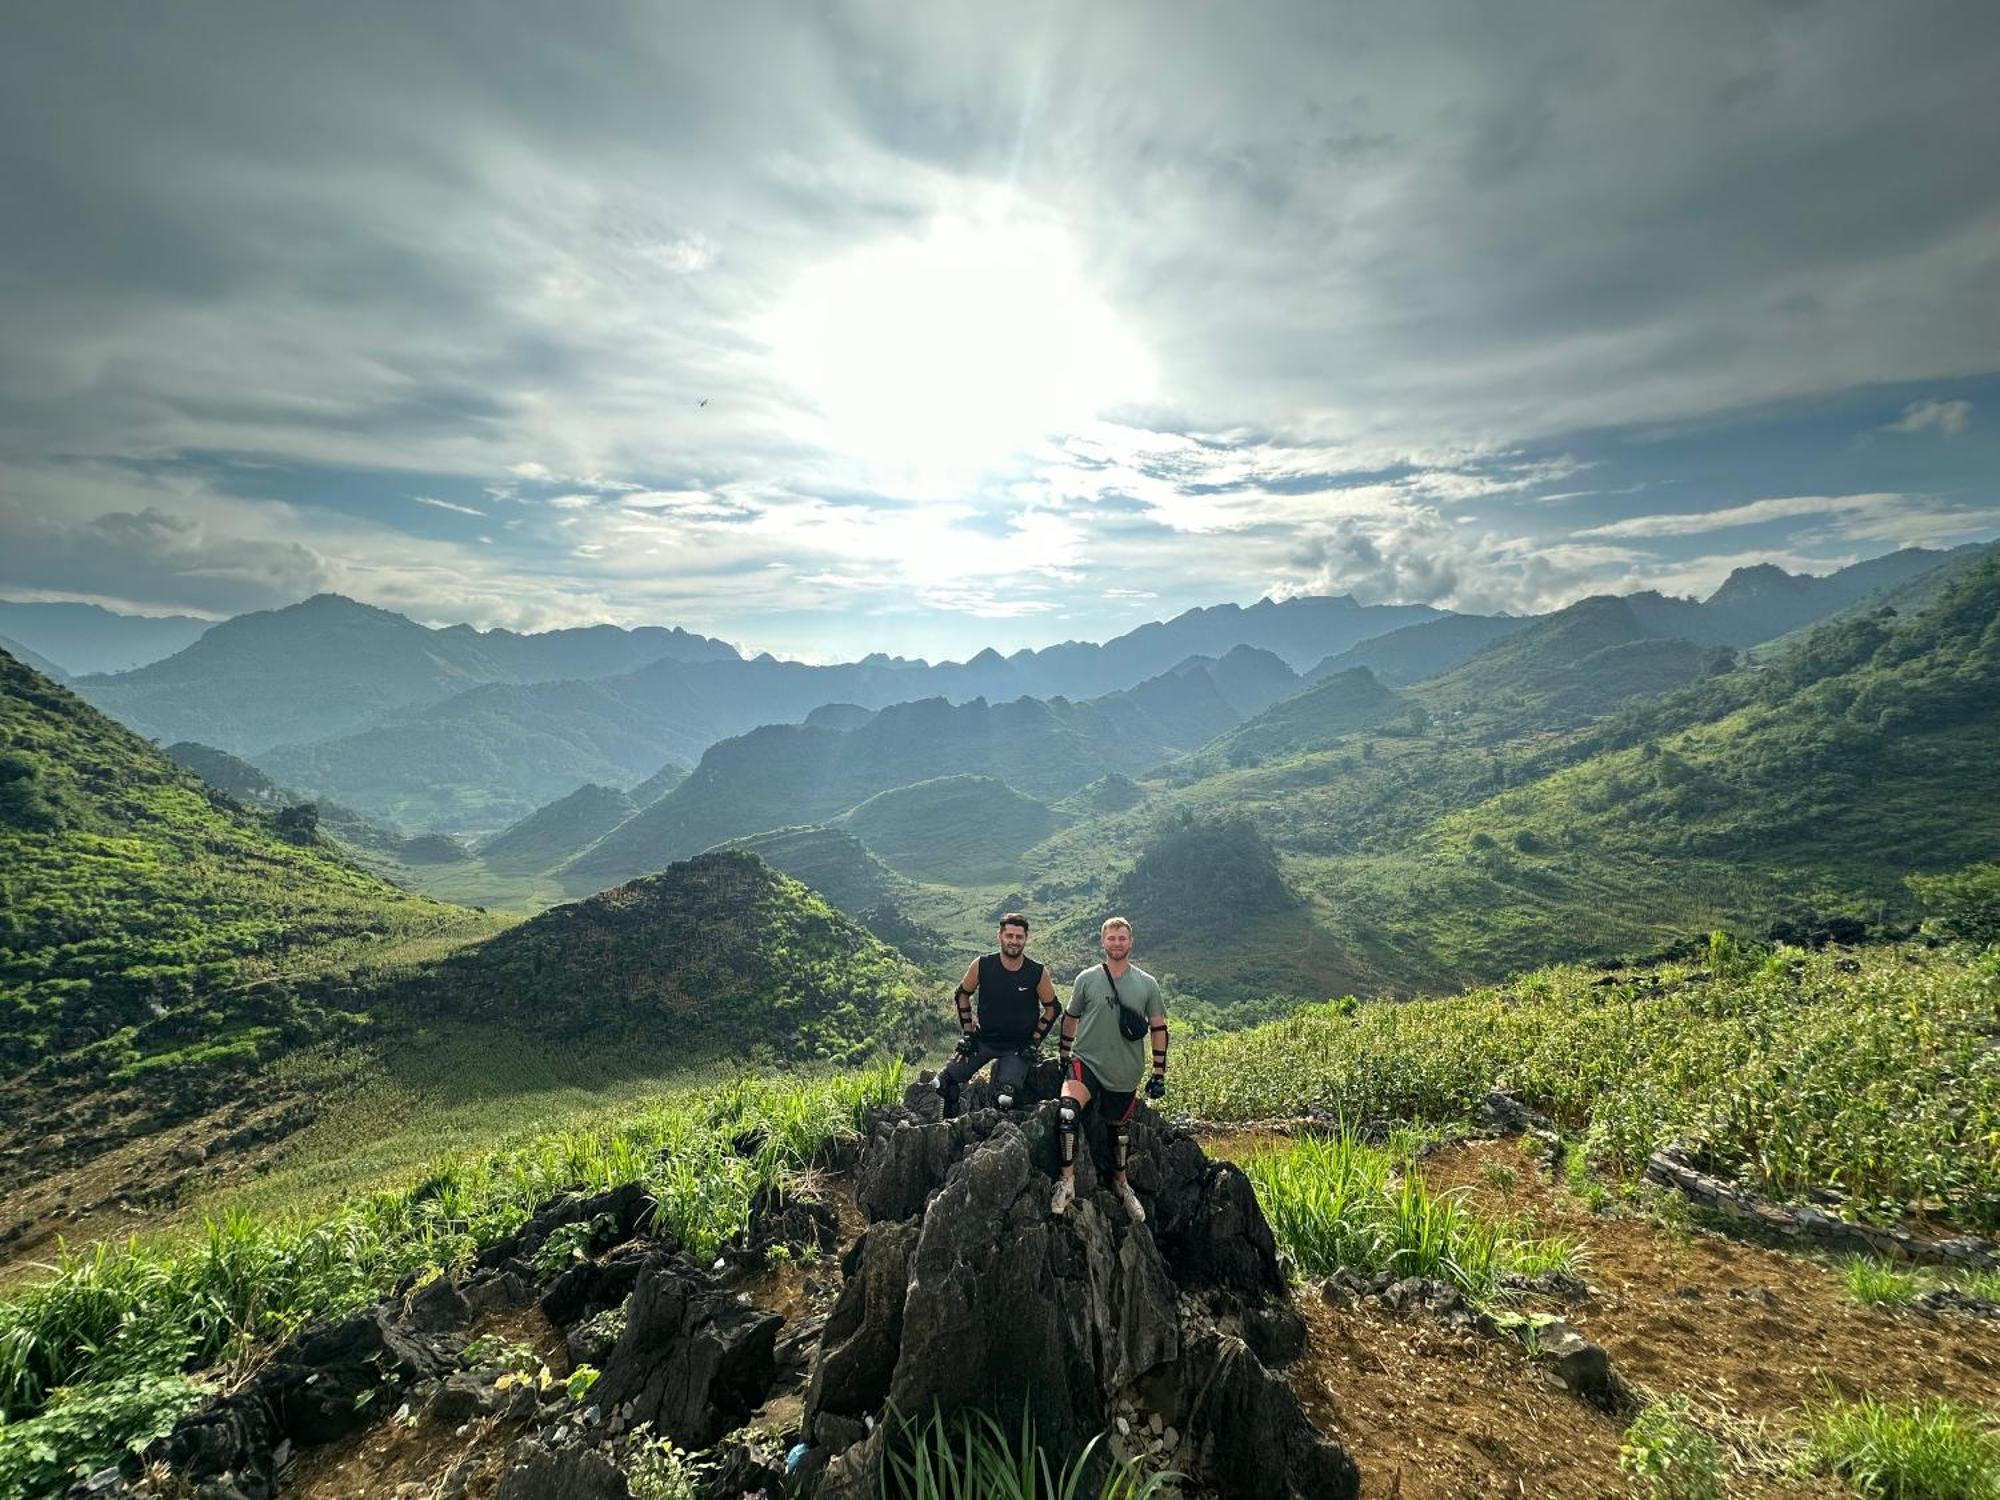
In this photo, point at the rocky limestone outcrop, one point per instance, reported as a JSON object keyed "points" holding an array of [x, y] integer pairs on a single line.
{"points": [[966, 1293]]}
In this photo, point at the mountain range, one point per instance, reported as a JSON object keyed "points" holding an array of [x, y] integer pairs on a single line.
{"points": [[470, 731], [85, 638]]}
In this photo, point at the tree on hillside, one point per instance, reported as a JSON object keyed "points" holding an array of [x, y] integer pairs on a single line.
{"points": [[298, 824]]}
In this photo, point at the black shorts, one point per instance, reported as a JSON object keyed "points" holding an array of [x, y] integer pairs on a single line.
{"points": [[1117, 1107]]}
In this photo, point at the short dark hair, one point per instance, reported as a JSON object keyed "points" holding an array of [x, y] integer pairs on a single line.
{"points": [[1015, 919]]}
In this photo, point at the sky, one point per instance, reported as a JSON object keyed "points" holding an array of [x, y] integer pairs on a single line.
{"points": [[926, 327]]}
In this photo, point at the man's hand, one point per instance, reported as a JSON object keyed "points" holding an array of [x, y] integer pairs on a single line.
{"points": [[967, 1045], [1156, 1086], [1031, 1054]]}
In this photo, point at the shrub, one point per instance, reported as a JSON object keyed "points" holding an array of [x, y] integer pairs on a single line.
{"points": [[1964, 904], [1667, 1455], [1933, 1450]]}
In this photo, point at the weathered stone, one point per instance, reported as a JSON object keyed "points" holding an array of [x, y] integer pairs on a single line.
{"points": [[1582, 1368], [1251, 1438], [693, 1361], [591, 1286], [437, 1307], [537, 1472], [857, 1356]]}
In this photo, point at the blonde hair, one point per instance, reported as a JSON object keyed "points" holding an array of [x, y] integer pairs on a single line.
{"points": [[1111, 922]]}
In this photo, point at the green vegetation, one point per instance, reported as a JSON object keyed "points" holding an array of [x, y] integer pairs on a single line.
{"points": [[549, 835], [1964, 904], [961, 830], [91, 1358], [1881, 1283], [1667, 1455], [969, 1456], [718, 956], [1931, 1450], [138, 908], [1207, 875], [1338, 1202], [1786, 1070]]}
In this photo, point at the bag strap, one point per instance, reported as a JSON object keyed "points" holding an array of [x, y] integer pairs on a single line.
{"points": [[1116, 998]]}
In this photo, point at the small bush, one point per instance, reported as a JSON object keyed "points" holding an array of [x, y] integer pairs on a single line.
{"points": [[1934, 1450], [1667, 1456], [1876, 1284]]}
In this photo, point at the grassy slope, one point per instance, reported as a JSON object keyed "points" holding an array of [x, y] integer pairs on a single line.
{"points": [[962, 830], [720, 955], [138, 904], [1493, 840]]}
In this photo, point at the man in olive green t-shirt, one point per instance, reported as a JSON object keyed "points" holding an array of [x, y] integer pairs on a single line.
{"points": [[1101, 1065]]}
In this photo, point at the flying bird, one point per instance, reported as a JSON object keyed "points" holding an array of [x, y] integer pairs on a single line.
{"points": [[703, 401]]}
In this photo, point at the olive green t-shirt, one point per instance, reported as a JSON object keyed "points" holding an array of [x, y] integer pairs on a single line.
{"points": [[1118, 1064]]}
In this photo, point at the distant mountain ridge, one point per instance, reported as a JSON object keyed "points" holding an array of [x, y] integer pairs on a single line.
{"points": [[784, 774], [85, 638], [330, 666]]}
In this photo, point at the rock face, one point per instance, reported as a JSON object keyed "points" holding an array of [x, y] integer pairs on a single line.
{"points": [[694, 1362], [966, 1292]]}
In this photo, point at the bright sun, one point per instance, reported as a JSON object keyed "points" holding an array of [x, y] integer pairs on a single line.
{"points": [[935, 359]]}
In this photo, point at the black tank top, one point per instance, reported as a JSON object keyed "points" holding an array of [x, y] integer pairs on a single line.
{"points": [[1008, 1006]]}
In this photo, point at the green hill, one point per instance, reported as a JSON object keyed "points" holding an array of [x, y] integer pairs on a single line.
{"points": [[236, 777], [549, 835], [1417, 652], [1311, 720], [1482, 841], [959, 830], [137, 901], [656, 786], [1566, 668], [787, 774], [720, 955], [833, 862]]}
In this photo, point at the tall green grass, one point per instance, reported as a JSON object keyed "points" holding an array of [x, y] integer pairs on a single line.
{"points": [[969, 1456], [1877, 1084], [144, 1311], [1338, 1202], [1932, 1450]]}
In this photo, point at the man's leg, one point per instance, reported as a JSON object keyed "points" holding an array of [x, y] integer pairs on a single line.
{"points": [[1120, 1125], [1070, 1107], [1010, 1072], [957, 1073]]}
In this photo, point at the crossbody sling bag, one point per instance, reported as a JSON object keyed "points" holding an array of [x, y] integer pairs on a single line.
{"points": [[1131, 1024]]}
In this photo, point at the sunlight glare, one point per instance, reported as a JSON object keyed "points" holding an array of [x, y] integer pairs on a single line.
{"points": [[933, 360]]}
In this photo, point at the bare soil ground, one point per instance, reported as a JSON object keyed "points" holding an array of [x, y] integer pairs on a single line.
{"points": [[1752, 1335]]}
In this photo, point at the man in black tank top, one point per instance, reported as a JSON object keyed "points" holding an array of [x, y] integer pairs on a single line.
{"points": [[1017, 1005]]}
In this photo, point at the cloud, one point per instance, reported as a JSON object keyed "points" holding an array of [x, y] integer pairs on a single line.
{"points": [[464, 510], [1947, 417], [1756, 512]]}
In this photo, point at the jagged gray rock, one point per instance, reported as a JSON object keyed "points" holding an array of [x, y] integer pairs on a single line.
{"points": [[694, 1362], [966, 1293]]}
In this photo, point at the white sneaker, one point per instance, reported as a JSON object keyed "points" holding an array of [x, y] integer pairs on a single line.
{"points": [[1131, 1201], [1065, 1195], [1004, 1101]]}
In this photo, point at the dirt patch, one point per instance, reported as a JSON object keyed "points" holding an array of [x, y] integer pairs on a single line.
{"points": [[1756, 1330], [106, 1168], [413, 1459]]}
